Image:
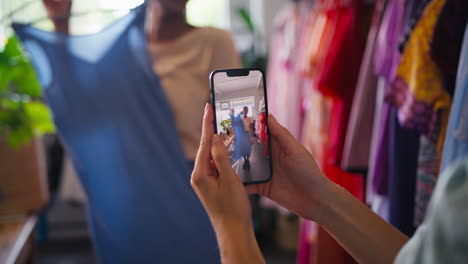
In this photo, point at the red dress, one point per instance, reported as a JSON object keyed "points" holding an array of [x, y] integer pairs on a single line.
{"points": [[262, 132]]}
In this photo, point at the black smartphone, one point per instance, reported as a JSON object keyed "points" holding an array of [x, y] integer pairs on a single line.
{"points": [[240, 104]]}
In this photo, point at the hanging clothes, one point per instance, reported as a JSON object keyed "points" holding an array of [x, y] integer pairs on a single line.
{"points": [[414, 10], [385, 64], [418, 89], [379, 169], [336, 78], [359, 133], [403, 164], [378, 159], [116, 122], [284, 97], [261, 131], [423, 106], [456, 141]]}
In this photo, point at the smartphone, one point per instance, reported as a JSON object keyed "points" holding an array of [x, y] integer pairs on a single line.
{"points": [[240, 104]]}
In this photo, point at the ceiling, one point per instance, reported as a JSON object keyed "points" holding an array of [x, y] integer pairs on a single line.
{"points": [[225, 84]]}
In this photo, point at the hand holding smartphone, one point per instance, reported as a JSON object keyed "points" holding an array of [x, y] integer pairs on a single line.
{"points": [[239, 101]]}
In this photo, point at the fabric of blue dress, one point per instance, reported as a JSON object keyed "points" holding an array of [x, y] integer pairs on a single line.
{"points": [[456, 139], [242, 145], [113, 116]]}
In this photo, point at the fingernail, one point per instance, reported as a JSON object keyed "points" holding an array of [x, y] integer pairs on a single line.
{"points": [[206, 107]]}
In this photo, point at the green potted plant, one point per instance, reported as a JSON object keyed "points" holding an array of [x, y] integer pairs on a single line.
{"points": [[225, 124], [23, 119]]}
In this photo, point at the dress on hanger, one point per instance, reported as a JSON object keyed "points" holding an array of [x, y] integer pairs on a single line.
{"points": [[115, 120], [359, 133]]}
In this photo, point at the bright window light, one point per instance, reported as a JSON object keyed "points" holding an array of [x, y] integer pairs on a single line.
{"points": [[205, 12]]}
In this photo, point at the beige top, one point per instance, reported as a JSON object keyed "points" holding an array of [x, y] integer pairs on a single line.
{"points": [[184, 66]]}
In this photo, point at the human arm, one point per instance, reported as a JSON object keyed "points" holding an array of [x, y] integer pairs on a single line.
{"points": [[59, 11], [231, 114], [299, 185], [213, 179], [362, 233]]}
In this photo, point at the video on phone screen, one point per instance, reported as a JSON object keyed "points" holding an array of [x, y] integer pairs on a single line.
{"points": [[241, 123]]}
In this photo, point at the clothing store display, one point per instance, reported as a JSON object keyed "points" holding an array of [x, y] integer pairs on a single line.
{"points": [[116, 122], [393, 124], [343, 60], [183, 66], [418, 89], [456, 141], [421, 94], [442, 238], [321, 72]]}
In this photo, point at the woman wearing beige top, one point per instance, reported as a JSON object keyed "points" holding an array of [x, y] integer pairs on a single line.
{"points": [[183, 56]]}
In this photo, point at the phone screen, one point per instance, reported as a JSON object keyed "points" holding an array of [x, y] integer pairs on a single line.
{"points": [[239, 100]]}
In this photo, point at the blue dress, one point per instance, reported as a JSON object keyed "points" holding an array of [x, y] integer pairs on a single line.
{"points": [[456, 139], [114, 118], [242, 146]]}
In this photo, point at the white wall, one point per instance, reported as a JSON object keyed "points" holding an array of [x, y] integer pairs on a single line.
{"points": [[256, 93], [263, 15]]}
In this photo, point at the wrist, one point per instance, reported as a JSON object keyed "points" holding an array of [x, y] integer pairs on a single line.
{"points": [[232, 226], [237, 243], [325, 199]]}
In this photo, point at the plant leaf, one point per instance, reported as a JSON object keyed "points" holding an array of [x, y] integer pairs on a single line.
{"points": [[245, 16], [40, 118], [21, 115], [12, 47]]}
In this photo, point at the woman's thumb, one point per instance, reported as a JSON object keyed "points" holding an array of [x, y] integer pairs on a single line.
{"points": [[220, 155]]}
